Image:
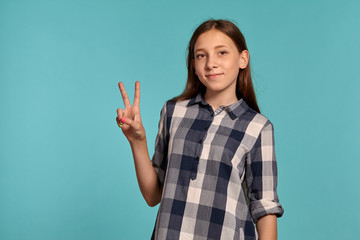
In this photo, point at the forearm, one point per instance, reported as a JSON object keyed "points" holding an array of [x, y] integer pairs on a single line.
{"points": [[145, 173], [267, 227]]}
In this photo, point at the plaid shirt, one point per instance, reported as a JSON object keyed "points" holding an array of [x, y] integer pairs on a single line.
{"points": [[217, 168]]}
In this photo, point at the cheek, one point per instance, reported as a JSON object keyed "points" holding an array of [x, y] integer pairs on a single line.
{"points": [[233, 71], [234, 66], [197, 69], [234, 62]]}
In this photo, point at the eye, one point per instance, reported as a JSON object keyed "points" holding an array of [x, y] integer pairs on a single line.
{"points": [[199, 56], [223, 53]]}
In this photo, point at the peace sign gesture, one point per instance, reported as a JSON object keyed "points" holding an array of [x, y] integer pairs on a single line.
{"points": [[132, 127]]}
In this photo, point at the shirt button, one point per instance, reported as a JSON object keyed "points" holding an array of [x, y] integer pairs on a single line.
{"points": [[200, 141], [197, 158]]}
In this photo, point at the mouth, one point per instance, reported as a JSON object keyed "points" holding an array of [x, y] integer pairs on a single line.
{"points": [[213, 75]]}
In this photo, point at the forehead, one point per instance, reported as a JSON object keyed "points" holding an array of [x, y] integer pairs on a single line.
{"points": [[212, 38]]}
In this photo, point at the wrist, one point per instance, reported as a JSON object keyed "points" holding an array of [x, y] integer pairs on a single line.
{"points": [[138, 141]]}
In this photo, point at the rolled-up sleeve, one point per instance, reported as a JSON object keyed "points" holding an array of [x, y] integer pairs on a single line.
{"points": [[159, 159], [261, 176]]}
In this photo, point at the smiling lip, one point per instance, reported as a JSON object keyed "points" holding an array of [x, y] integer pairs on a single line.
{"points": [[213, 76]]}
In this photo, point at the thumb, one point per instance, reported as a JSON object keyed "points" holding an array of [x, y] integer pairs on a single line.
{"points": [[137, 117]]}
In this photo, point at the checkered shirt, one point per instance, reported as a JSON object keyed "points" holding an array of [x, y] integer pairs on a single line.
{"points": [[217, 168]]}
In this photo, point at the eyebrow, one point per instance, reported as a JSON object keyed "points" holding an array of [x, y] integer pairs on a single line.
{"points": [[218, 46]]}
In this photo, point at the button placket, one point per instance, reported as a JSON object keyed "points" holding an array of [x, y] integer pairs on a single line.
{"points": [[199, 146]]}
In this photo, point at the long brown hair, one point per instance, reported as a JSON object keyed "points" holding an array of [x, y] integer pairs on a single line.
{"points": [[244, 86]]}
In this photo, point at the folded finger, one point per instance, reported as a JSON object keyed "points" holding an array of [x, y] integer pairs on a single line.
{"points": [[126, 121], [120, 113]]}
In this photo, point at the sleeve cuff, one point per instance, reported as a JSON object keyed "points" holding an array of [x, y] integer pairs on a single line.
{"points": [[263, 207]]}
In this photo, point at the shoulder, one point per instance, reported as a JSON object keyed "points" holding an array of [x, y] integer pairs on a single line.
{"points": [[182, 103], [172, 107], [256, 122]]}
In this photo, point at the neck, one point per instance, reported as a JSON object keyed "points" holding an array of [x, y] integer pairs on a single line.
{"points": [[216, 100]]}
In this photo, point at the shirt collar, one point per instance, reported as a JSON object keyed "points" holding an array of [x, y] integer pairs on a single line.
{"points": [[197, 99], [234, 110]]}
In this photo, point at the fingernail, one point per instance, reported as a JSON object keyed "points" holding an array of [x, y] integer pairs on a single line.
{"points": [[123, 119]]}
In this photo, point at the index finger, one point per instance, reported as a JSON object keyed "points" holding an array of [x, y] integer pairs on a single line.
{"points": [[137, 94], [124, 95]]}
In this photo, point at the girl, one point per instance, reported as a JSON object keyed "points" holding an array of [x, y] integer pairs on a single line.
{"points": [[214, 170]]}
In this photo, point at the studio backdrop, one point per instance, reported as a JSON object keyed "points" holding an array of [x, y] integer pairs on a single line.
{"points": [[66, 170]]}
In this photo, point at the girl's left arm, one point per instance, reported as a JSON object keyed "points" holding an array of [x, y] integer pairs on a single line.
{"points": [[261, 181], [267, 227]]}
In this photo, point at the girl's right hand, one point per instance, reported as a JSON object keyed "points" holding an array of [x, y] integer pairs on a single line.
{"points": [[132, 128]]}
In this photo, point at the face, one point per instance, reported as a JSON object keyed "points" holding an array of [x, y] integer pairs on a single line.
{"points": [[217, 62]]}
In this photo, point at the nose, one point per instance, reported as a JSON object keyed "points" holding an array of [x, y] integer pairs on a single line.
{"points": [[211, 62]]}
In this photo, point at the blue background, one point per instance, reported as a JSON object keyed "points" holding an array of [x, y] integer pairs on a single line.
{"points": [[66, 170]]}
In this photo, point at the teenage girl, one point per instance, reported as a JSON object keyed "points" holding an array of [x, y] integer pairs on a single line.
{"points": [[214, 170]]}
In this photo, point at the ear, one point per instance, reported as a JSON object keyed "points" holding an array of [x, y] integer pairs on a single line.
{"points": [[244, 59]]}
